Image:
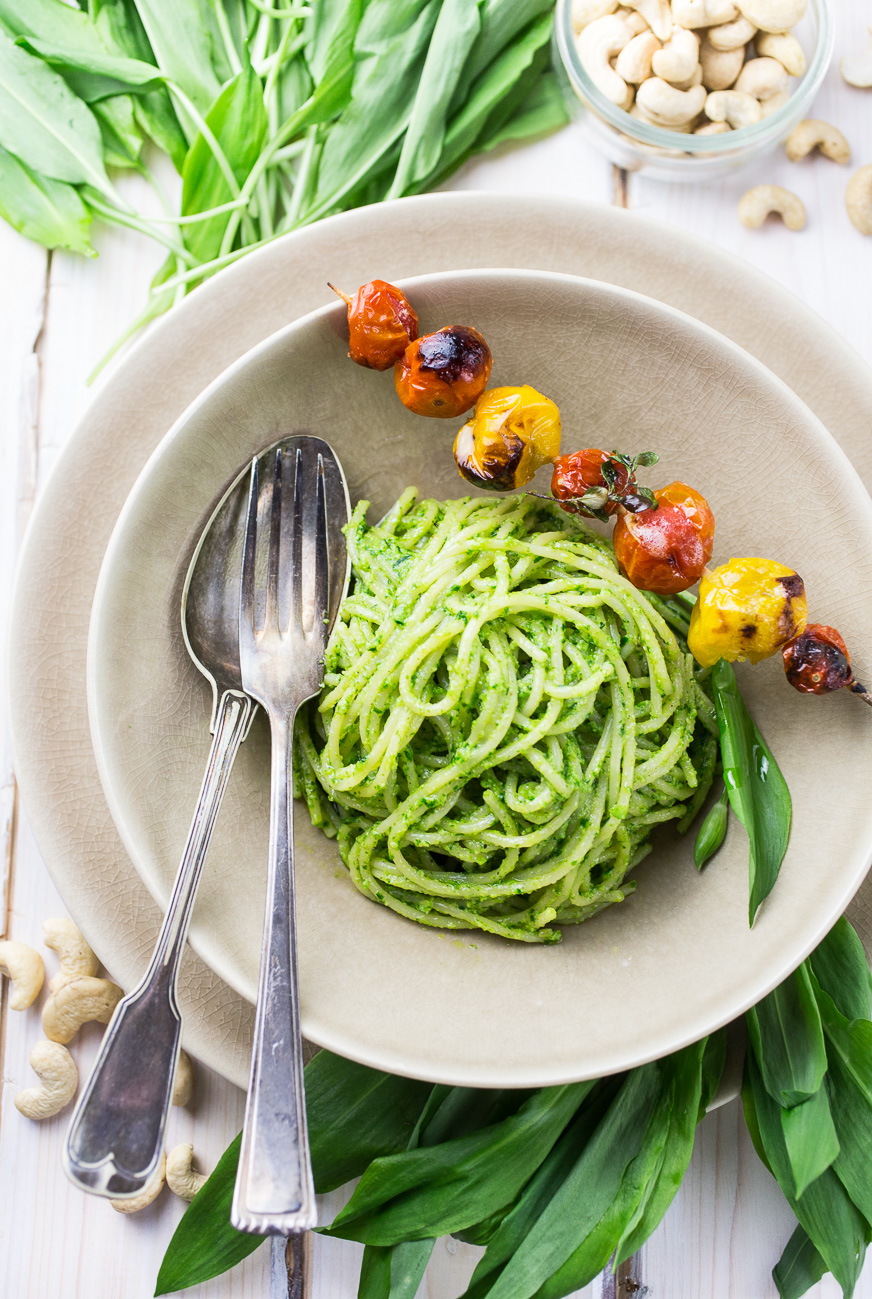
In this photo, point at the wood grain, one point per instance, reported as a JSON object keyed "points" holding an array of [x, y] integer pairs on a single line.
{"points": [[729, 1222]]}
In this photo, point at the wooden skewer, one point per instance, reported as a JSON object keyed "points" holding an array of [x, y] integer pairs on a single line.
{"points": [[344, 296]]}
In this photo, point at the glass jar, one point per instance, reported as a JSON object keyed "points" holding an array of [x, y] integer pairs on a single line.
{"points": [[670, 155]]}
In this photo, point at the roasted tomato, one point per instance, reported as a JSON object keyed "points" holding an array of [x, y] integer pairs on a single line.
{"points": [[381, 324], [746, 609], [512, 432], [817, 660], [666, 550], [444, 373], [598, 483]]}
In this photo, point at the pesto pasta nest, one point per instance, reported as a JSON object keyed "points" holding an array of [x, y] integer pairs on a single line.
{"points": [[504, 718]]}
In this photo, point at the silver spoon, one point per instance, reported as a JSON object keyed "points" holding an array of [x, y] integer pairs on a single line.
{"points": [[115, 1140]]}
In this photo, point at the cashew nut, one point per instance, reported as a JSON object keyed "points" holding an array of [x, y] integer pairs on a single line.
{"points": [[57, 1072], [703, 13], [63, 936], [635, 22], [733, 106], [25, 970], [784, 47], [773, 103], [684, 129], [714, 128], [732, 36], [633, 63], [857, 70], [657, 14], [667, 106], [76, 1003], [814, 134], [763, 200], [858, 199], [719, 67], [773, 15], [181, 1178], [762, 78], [599, 41], [585, 11], [183, 1081], [695, 79], [149, 1192], [679, 58]]}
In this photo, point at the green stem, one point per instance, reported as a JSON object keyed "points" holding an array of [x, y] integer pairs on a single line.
{"points": [[143, 226], [227, 37], [208, 268]]}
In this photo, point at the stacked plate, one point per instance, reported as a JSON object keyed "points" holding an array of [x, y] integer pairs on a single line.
{"points": [[724, 393]]}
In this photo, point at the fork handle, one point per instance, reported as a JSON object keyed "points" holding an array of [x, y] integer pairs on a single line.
{"points": [[274, 1192], [116, 1135]]}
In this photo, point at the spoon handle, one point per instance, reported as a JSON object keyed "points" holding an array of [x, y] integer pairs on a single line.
{"points": [[274, 1192], [115, 1140]]}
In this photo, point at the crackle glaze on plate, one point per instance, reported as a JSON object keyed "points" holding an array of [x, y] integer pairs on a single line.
{"points": [[678, 959], [185, 352]]}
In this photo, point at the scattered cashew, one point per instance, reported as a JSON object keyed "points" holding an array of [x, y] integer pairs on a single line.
{"points": [[773, 15], [762, 78], [719, 67], [76, 1003], [703, 13], [858, 199], [814, 134], [667, 106], [181, 1178], [679, 58], [183, 1081], [57, 1072], [657, 14], [25, 970], [714, 128], [773, 103], [600, 41], [732, 36], [149, 1192], [585, 11], [763, 200], [857, 70], [784, 47], [63, 936], [733, 106]]}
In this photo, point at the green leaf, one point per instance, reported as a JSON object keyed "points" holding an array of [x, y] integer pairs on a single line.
{"points": [[810, 1139], [453, 36], [799, 1268], [841, 968], [543, 110], [187, 48], [836, 1228], [849, 1050], [238, 122], [712, 1068], [788, 1040], [389, 54], [122, 141], [711, 832], [451, 1185], [757, 790], [586, 1194], [501, 22], [46, 210], [394, 1271], [354, 1115], [44, 124]]}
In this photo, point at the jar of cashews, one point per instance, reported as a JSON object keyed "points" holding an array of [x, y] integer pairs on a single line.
{"points": [[691, 89]]}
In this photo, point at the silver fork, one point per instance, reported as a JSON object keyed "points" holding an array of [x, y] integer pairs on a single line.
{"points": [[286, 602]]}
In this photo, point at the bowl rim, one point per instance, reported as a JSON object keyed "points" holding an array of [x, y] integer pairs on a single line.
{"points": [[704, 1023], [701, 146]]}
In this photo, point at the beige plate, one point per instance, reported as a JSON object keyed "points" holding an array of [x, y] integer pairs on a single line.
{"points": [[243, 306]]}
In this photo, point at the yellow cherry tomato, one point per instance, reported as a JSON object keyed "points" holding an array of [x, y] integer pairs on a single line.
{"points": [[512, 433], [746, 609]]}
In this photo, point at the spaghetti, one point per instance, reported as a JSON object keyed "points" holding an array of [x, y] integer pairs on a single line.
{"points": [[504, 718]]}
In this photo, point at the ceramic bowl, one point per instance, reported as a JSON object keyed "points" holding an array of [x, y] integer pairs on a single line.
{"points": [[678, 958]]}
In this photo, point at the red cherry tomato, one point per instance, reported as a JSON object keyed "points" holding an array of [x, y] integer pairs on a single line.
{"points": [[381, 324], [575, 474], [817, 660], [443, 374], [665, 550]]}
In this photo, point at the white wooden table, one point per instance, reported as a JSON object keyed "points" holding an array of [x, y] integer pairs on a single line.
{"points": [[729, 1222]]}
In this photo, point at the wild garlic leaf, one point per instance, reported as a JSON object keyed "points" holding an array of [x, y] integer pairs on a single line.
{"points": [[48, 211], [711, 832], [757, 790], [187, 48], [841, 968], [799, 1268], [849, 1050], [44, 124], [787, 1039], [394, 1271], [541, 111], [810, 1139], [122, 139], [501, 22]]}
